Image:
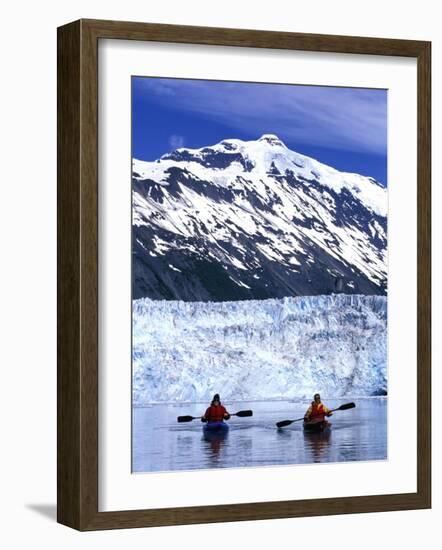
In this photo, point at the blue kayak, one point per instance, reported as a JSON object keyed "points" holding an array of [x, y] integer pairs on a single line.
{"points": [[216, 427]]}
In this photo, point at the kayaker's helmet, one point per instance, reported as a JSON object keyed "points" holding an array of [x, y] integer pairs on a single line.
{"points": [[216, 398]]}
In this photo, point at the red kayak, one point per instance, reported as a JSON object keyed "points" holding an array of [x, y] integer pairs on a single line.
{"points": [[317, 426]]}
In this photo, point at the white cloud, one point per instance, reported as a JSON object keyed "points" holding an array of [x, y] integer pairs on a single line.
{"points": [[341, 118], [176, 141]]}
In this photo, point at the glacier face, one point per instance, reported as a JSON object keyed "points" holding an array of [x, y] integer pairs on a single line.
{"points": [[259, 349]]}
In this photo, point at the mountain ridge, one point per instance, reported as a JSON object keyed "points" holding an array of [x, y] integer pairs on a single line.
{"points": [[252, 220]]}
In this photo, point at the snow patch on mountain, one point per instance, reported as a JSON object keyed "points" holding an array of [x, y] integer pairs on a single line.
{"points": [[259, 349]]}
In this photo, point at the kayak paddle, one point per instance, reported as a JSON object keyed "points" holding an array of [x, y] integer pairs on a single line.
{"points": [[344, 407], [190, 418]]}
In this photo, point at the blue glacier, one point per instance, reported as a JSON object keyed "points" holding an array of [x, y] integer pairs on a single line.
{"points": [[285, 348]]}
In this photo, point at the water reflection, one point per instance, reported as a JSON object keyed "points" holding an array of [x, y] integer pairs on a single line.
{"points": [[160, 444], [284, 433], [318, 443], [214, 442]]}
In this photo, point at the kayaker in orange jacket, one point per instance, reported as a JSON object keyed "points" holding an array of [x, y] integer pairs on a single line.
{"points": [[317, 410], [216, 412]]}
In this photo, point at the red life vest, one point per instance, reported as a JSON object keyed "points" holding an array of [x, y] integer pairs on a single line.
{"points": [[215, 413], [318, 412]]}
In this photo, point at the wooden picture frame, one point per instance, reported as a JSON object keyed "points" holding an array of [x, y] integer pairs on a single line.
{"points": [[78, 274]]}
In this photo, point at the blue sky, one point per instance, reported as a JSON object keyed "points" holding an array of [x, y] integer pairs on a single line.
{"points": [[343, 127]]}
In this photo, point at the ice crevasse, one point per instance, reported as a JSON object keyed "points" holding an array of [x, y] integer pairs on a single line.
{"points": [[285, 348]]}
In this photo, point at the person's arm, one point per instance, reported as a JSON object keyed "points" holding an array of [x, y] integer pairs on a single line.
{"points": [[327, 411], [226, 414], [206, 415], [308, 413]]}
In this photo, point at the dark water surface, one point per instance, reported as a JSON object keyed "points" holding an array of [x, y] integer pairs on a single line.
{"points": [[161, 444]]}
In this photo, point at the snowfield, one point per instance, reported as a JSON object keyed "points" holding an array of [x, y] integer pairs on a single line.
{"points": [[267, 155], [284, 348]]}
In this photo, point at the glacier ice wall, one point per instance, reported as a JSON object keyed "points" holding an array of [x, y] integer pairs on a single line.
{"points": [[259, 349]]}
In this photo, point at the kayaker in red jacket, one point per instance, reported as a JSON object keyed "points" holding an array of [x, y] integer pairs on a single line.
{"points": [[216, 412], [317, 410]]}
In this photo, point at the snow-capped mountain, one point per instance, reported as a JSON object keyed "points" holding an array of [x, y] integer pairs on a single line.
{"points": [[253, 220]]}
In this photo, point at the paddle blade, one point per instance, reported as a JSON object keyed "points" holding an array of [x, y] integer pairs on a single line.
{"points": [[347, 406], [185, 418], [244, 413], [284, 423]]}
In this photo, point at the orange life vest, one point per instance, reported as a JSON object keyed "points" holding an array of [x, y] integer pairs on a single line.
{"points": [[318, 411]]}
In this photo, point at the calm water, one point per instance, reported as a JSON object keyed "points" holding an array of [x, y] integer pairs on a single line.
{"points": [[161, 444]]}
